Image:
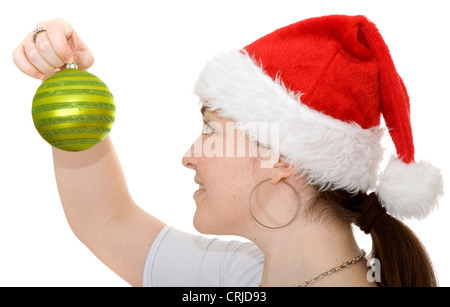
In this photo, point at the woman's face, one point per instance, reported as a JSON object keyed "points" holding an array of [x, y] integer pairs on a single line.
{"points": [[227, 166]]}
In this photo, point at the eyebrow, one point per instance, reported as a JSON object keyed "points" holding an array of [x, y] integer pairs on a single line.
{"points": [[204, 109]]}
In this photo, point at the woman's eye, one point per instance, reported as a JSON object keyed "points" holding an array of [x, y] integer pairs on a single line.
{"points": [[207, 129]]}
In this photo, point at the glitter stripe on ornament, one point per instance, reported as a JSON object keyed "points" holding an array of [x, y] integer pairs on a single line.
{"points": [[59, 105], [44, 94], [73, 110], [73, 87], [71, 72], [59, 134], [76, 144], [71, 81], [75, 99]]}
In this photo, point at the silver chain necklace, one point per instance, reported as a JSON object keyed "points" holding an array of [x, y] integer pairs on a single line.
{"points": [[331, 271]]}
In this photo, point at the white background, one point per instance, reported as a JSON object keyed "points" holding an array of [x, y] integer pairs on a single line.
{"points": [[149, 53]]}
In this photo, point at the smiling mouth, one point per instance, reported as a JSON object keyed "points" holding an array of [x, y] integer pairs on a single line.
{"points": [[199, 192]]}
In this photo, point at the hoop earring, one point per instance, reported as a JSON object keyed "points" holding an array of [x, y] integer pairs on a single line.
{"points": [[259, 222]]}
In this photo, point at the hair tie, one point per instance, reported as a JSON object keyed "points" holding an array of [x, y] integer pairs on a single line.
{"points": [[369, 209]]}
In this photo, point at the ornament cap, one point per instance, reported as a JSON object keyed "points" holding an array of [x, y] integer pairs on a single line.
{"points": [[72, 65]]}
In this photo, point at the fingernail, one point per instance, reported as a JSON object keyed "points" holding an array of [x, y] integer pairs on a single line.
{"points": [[68, 59], [39, 75]]}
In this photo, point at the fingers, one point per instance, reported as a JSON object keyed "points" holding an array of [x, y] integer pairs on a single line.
{"points": [[83, 55], [48, 51], [22, 62], [38, 58], [56, 46], [59, 33]]}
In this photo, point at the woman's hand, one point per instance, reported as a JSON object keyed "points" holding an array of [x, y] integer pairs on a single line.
{"points": [[54, 48]]}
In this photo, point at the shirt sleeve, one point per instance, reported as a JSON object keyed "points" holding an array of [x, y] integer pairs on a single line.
{"points": [[178, 258]]}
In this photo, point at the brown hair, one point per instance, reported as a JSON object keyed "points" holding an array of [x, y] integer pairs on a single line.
{"points": [[404, 260]]}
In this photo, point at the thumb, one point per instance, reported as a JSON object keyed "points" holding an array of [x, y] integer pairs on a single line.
{"points": [[82, 55], [68, 45]]}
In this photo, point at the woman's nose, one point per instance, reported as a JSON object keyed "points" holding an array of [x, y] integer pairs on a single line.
{"points": [[192, 154]]}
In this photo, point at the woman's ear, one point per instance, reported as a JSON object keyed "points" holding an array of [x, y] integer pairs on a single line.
{"points": [[280, 171]]}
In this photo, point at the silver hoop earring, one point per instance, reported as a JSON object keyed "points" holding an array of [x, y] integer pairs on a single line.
{"points": [[259, 222]]}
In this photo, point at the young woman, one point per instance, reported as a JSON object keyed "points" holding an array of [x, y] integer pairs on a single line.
{"points": [[288, 158]]}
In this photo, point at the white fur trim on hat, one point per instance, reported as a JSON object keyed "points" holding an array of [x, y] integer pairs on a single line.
{"points": [[410, 190], [330, 153]]}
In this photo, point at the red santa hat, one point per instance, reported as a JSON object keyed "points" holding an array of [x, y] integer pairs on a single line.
{"points": [[326, 81]]}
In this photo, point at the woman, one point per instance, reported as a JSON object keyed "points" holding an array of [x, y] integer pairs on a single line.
{"points": [[304, 102]]}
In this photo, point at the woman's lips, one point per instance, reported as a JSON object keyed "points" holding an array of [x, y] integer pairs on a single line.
{"points": [[200, 191]]}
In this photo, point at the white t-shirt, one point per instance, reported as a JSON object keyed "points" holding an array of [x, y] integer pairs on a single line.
{"points": [[177, 258]]}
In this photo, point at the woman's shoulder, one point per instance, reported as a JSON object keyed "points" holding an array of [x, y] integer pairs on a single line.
{"points": [[199, 260]]}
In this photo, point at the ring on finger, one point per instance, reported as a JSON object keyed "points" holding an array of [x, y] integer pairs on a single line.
{"points": [[37, 32]]}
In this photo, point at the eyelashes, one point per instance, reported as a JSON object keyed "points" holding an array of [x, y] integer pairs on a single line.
{"points": [[207, 128]]}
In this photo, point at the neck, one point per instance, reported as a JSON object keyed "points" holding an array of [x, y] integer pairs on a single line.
{"points": [[303, 250]]}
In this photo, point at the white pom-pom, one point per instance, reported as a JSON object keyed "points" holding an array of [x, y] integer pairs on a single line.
{"points": [[410, 190]]}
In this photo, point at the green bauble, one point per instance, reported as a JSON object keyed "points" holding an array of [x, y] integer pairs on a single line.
{"points": [[73, 110]]}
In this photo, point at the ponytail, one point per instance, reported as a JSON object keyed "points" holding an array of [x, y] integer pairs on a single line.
{"points": [[403, 259]]}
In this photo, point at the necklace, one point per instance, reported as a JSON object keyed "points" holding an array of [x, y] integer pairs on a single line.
{"points": [[335, 269], [331, 271]]}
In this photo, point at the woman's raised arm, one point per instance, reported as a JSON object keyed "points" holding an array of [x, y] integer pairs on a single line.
{"points": [[91, 183]]}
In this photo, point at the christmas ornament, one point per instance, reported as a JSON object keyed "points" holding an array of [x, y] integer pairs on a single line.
{"points": [[73, 110]]}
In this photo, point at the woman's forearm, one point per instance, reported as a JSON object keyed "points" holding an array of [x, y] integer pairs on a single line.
{"points": [[91, 185]]}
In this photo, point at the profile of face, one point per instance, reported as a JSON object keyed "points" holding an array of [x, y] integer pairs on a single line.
{"points": [[227, 166]]}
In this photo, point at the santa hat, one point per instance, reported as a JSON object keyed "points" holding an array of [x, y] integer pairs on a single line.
{"points": [[326, 81]]}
